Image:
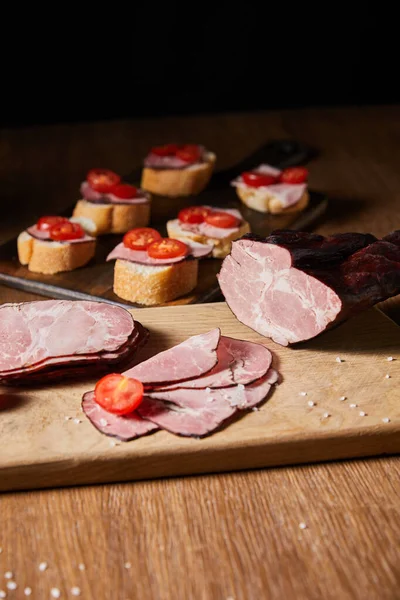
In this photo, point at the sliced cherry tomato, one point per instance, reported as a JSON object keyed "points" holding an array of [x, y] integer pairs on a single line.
{"points": [[254, 179], [294, 175], [140, 238], [118, 394], [193, 214], [45, 223], [167, 248], [190, 153], [66, 231], [124, 190], [167, 150], [222, 219], [102, 180]]}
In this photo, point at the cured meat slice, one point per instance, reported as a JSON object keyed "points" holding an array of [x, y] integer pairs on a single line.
{"points": [[238, 362], [191, 412], [45, 235], [194, 357], [291, 286], [90, 195], [121, 252], [210, 231], [124, 428]]}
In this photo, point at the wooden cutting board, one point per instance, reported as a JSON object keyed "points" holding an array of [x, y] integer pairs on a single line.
{"points": [[39, 448]]}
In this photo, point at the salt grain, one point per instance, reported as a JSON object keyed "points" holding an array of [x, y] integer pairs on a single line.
{"points": [[311, 403], [362, 413], [67, 418], [387, 376], [326, 415], [240, 386], [55, 592], [390, 358], [81, 567], [303, 525], [342, 398], [338, 359], [103, 422], [43, 566], [113, 443], [3, 594], [77, 421], [75, 591], [353, 405], [28, 591], [386, 420], [11, 585], [8, 575], [255, 408], [208, 390], [127, 565], [303, 394]]}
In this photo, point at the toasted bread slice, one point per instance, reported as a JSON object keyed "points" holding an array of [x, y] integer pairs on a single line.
{"points": [[113, 218], [178, 182], [148, 284], [264, 201], [222, 246], [53, 257]]}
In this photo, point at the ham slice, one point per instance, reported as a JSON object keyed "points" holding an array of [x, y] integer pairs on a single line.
{"points": [[288, 193], [45, 236], [124, 428], [154, 161], [90, 195], [210, 231], [195, 250]]}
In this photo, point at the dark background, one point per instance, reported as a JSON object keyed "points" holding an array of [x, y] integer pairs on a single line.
{"points": [[176, 58]]}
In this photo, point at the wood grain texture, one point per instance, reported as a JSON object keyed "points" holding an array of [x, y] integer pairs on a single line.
{"points": [[42, 449], [229, 535]]}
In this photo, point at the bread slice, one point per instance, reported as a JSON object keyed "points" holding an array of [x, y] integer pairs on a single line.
{"points": [[113, 218], [53, 257], [147, 284], [179, 182], [222, 246], [264, 201]]}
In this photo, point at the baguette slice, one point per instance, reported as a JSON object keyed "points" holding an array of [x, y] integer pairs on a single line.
{"points": [[113, 218], [222, 246], [148, 284], [53, 257], [264, 201], [178, 182]]}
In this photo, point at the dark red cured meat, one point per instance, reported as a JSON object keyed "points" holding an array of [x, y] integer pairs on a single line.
{"points": [[90, 195], [239, 361], [275, 286], [195, 250], [124, 428], [192, 358], [196, 413]]}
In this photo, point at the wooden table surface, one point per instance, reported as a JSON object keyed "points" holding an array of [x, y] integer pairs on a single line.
{"points": [[232, 536]]}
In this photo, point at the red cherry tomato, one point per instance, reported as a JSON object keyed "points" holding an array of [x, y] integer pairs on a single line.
{"points": [[118, 394], [193, 214], [140, 238], [45, 223], [124, 190], [66, 231], [167, 248], [294, 175], [167, 150], [102, 180], [222, 219], [190, 153], [254, 179]]}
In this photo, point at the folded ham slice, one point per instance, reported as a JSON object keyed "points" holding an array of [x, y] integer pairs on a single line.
{"points": [[195, 250]]}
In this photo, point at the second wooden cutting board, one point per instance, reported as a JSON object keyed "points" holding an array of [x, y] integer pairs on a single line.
{"points": [[40, 448]]}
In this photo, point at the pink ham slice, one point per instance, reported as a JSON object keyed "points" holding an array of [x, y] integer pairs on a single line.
{"points": [[154, 161], [239, 361], [124, 428], [92, 196], [195, 250], [45, 235], [33, 332], [192, 358], [210, 231]]}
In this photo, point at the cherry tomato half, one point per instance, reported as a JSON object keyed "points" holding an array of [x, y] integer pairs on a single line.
{"points": [[193, 214], [140, 238], [45, 223], [124, 191], [166, 150], [222, 219], [118, 394], [254, 179], [66, 231], [102, 180], [294, 175], [167, 248], [190, 153]]}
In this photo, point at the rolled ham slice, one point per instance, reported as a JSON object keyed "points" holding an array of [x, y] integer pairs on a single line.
{"points": [[45, 235], [91, 195], [195, 250]]}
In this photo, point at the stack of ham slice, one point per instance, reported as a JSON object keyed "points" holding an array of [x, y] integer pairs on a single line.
{"points": [[54, 339], [191, 389]]}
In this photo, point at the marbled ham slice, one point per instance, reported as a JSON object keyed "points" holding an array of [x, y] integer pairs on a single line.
{"points": [[91, 195], [141, 257], [192, 358], [45, 236], [124, 428]]}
